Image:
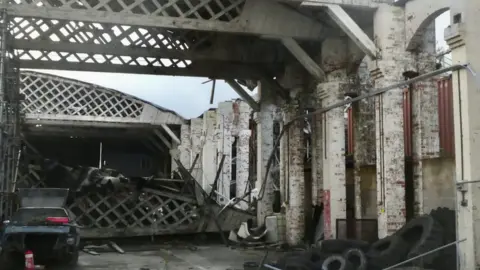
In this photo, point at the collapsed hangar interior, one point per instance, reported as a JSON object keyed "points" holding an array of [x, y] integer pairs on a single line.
{"points": [[390, 32]]}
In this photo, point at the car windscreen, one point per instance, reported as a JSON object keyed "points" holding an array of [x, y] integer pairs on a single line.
{"points": [[31, 215]]}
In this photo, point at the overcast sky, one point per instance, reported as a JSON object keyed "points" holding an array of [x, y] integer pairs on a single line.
{"points": [[185, 95]]}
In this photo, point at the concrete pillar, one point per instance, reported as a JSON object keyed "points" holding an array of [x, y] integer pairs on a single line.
{"points": [[295, 212], [197, 142], [463, 39], [389, 28], [317, 152], [185, 147], [224, 147], [209, 149], [364, 149], [243, 151], [265, 143]]}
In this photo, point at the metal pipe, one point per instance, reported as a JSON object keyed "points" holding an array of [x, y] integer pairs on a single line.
{"points": [[373, 93], [424, 254], [467, 182], [271, 267]]}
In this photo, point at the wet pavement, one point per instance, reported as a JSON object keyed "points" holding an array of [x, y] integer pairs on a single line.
{"points": [[214, 258]]}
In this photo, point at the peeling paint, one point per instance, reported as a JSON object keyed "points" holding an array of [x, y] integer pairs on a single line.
{"points": [[389, 28], [295, 212], [265, 143]]}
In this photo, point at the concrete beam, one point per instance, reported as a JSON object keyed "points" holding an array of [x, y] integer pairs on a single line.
{"points": [[210, 69], [244, 95], [345, 3], [115, 49], [163, 139], [351, 28], [307, 62], [271, 22], [171, 134]]}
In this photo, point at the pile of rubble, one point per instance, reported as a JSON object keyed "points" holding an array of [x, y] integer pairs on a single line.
{"points": [[414, 242]]}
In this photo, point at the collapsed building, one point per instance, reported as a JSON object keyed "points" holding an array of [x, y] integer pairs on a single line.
{"points": [[304, 56]]}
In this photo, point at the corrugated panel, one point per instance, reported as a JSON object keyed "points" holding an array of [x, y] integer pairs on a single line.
{"points": [[407, 120], [445, 116], [350, 132]]}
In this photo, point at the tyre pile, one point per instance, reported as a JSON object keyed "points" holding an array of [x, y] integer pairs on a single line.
{"points": [[420, 235]]}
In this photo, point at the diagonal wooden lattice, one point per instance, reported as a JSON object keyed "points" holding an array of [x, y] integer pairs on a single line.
{"points": [[29, 177], [46, 94], [122, 210], [222, 10], [52, 39]]}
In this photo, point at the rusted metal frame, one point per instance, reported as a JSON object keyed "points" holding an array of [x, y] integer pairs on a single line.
{"points": [[373, 93]]}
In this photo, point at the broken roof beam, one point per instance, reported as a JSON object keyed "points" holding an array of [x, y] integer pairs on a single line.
{"points": [[307, 62], [244, 95], [171, 134], [163, 139], [351, 28]]}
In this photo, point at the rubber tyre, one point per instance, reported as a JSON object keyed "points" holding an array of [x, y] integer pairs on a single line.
{"points": [[448, 257], [312, 256], [336, 262], [387, 252], [356, 258], [339, 246], [423, 234]]}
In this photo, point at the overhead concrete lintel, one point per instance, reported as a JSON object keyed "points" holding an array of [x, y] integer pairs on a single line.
{"points": [[171, 134], [307, 62], [351, 28], [244, 95], [163, 139], [345, 3]]}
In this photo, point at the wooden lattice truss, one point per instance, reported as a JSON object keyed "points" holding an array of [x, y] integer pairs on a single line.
{"points": [[53, 98], [76, 45], [129, 213]]}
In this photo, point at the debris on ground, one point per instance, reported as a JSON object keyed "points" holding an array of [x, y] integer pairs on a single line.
{"points": [[419, 236], [95, 249]]}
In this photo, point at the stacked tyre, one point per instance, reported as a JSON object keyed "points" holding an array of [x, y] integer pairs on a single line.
{"points": [[414, 242]]}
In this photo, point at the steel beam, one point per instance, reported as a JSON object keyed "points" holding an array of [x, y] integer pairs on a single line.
{"points": [[307, 62], [244, 95]]}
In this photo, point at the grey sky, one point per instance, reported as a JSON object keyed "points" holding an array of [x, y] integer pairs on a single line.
{"points": [[185, 95]]}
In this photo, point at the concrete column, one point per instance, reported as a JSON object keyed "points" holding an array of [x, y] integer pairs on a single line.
{"points": [[209, 149], [185, 147], [364, 149], [295, 214], [389, 28], [197, 142], [224, 147], [333, 155], [317, 152], [243, 151], [265, 143], [463, 38]]}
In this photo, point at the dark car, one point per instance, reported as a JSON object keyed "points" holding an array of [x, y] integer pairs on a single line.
{"points": [[42, 225]]}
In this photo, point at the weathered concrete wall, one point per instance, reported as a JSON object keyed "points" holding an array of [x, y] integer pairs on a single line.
{"points": [[212, 136], [223, 133], [368, 190], [242, 124], [438, 183]]}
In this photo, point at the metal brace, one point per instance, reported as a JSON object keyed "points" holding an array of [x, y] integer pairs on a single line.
{"points": [[461, 186]]}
